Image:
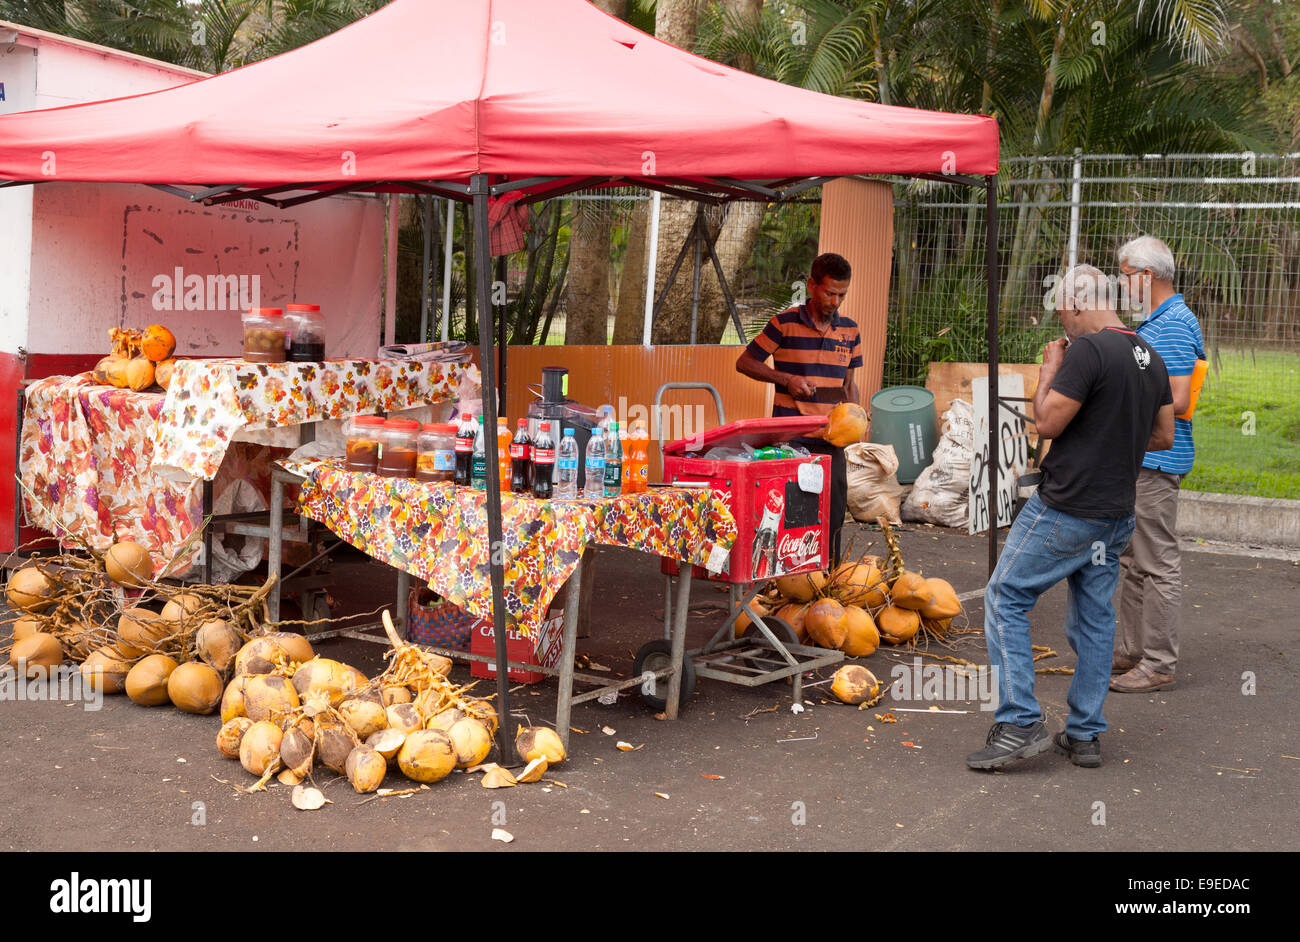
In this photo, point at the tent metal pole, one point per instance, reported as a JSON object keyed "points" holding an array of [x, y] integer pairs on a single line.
{"points": [[483, 276], [726, 291], [995, 415], [390, 270], [697, 233], [652, 261], [427, 203], [446, 268], [502, 339]]}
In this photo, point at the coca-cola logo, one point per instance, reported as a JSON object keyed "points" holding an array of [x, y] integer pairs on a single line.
{"points": [[802, 546], [775, 501]]}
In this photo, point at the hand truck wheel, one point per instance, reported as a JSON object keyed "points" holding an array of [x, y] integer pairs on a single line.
{"points": [[783, 630], [656, 656]]}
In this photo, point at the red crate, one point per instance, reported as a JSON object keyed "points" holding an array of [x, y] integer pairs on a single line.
{"points": [[544, 650], [781, 528]]}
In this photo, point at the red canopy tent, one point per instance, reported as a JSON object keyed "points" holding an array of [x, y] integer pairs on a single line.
{"points": [[471, 99]]}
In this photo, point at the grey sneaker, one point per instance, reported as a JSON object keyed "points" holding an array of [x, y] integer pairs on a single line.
{"points": [[1082, 752], [1008, 742]]}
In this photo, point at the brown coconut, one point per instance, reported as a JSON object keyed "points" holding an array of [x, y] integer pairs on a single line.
{"points": [[30, 589], [260, 746], [427, 756], [195, 688], [232, 701], [297, 750], [802, 587], [794, 615], [854, 684], [36, 655], [909, 591], [539, 742], [334, 742], [260, 656], [858, 584], [26, 626], [471, 741], [231, 735], [365, 769], [146, 682], [366, 717], [218, 643], [140, 631], [943, 602], [181, 608], [827, 623], [897, 625], [128, 563], [269, 697], [862, 638], [105, 669]]}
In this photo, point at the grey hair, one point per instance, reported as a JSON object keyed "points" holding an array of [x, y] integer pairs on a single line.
{"points": [[1148, 252], [1086, 288]]}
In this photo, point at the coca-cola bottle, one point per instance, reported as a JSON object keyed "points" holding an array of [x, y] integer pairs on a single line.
{"points": [[521, 459], [466, 433], [763, 564], [544, 462]]}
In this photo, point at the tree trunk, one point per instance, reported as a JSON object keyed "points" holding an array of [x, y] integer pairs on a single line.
{"points": [[586, 303], [613, 7], [673, 322], [676, 22], [735, 245], [629, 317]]}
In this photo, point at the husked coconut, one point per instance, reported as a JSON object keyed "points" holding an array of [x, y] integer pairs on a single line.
{"points": [[231, 735], [539, 742], [426, 756], [365, 769]]}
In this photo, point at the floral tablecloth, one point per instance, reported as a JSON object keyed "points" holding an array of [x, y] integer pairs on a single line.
{"points": [[438, 532], [210, 400], [85, 459]]}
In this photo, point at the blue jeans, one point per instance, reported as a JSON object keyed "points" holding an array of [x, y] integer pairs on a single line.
{"points": [[1044, 547]]}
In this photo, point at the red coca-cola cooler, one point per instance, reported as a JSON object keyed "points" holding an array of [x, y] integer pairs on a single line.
{"points": [[781, 506]]}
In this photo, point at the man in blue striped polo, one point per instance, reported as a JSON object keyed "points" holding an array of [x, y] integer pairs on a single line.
{"points": [[1151, 578]]}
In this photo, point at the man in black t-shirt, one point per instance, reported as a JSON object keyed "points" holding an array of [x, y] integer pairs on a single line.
{"points": [[1103, 400]]}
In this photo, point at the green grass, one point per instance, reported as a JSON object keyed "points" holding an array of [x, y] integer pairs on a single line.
{"points": [[1230, 460]]}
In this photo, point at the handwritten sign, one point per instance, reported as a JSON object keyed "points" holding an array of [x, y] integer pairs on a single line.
{"points": [[1013, 451]]}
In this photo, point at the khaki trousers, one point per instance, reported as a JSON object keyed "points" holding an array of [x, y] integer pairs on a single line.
{"points": [[1151, 576]]}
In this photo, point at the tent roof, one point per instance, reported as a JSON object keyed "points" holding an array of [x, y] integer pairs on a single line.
{"points": [[437, 90]]}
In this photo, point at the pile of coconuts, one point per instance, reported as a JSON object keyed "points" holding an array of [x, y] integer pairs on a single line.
{"points": [[289, 713]]}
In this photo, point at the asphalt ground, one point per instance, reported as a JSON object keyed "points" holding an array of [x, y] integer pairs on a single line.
{"points": [[1211, 765]]}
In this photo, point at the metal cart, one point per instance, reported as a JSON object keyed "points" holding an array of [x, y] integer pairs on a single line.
{"points": [[770, 649]]}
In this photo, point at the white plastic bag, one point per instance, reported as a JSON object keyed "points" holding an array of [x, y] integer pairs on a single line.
{"points": [[941, 492]]}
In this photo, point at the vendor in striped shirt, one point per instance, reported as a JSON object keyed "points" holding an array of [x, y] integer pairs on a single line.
{"points": [[814, 352]]}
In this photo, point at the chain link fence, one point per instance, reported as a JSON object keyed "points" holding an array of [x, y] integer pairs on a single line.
{"points": [[1233, 223], [1232, 220]]}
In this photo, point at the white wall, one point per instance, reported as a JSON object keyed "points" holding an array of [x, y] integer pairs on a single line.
{"points": [[100, 250], [18, 76]]}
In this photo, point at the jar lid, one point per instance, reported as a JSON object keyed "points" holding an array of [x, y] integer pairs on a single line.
{"points": [[368, 420], [442, 428], [266, 311], [302, 307], [404, 424]]}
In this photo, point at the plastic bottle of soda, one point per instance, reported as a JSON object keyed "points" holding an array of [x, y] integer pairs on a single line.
{"points": [[478, 465], [613, 462], [566, 463], [464, 449], [594, 481], [636, 465], [503, 454], [543, 462], [521, 464]]}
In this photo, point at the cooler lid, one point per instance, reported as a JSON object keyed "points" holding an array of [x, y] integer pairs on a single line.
{"points": [[752, 432]]}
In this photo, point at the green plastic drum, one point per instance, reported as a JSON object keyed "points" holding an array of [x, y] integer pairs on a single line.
{"points": [[904, 416]]}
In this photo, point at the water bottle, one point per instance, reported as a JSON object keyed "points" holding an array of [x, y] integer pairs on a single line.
{"points": [[613, 462], [595, 466], [566, 463], [478, 473]]}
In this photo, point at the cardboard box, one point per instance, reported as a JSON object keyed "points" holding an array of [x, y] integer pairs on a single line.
{"points": [[544, 652]]}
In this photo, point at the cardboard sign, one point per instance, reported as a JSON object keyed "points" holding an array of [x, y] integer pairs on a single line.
{"points": [[544, 652], [1013, 451]]}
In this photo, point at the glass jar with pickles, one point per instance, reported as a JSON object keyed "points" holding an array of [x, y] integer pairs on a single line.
{"points": [[265, 335], [363, 432], [399, 444]]}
